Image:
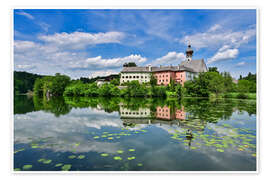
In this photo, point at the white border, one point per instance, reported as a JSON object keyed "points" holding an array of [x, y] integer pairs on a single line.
{"points": [[138, 172]]}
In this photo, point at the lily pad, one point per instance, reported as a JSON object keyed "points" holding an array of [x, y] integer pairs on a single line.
{"points": [[117, 158], [66, 167], [131, 150], [81, 156], [220, 150], [47, 161], [110, 138], [96, 137], [71, 156], [59, 164], [17, 169], [41, 160], [139, 164], [27, 166], [120, 151], [131, 158], [104, 154]]}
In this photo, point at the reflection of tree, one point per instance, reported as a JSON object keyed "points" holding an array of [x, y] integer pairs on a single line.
{"points": [[107, 104], [55, 105], [23, 104]]}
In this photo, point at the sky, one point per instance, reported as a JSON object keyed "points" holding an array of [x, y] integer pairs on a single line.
{"points": [[90, 43]]}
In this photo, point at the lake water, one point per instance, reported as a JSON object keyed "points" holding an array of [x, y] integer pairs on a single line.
{"points": [[102, 134]]}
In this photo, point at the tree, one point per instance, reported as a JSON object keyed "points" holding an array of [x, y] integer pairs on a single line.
{"points": [[153, 80], [172, 85], [38, 87], [216, 83], [213, 69], [243, 86], [130, 64], [115, 82], [179, 91]]}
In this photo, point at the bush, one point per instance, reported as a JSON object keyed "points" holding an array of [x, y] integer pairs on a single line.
{"points": [[242, 96]]}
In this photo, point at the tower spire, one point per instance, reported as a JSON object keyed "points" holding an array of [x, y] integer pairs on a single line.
{"points": [[189, 52]]}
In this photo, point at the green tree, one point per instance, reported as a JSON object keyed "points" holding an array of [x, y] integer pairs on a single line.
{"points": [[213, 69], [130, 64]]}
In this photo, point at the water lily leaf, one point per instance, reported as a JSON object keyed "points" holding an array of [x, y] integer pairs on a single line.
{"points": [[104, 154], [193, 147], [17, 169], [139, 164], [35, 146], [19, 150], [254, 155], [77, 144], [71, 156], [27, 166], [66, 167], [131, 158], [117, 137], [105, 132], [120, 151], [81, 156], [41, 160], [103, 136], [117, 158], [47, 161], [59, 164], [96, 137], [110, 138], [240, 149], [220, 150], [131, 150]]}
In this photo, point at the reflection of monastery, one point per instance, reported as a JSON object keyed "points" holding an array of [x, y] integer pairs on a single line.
{"points": [[163, 115], [164, 74]]}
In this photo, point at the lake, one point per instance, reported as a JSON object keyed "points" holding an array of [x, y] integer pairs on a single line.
{"points": [[116, 134]]}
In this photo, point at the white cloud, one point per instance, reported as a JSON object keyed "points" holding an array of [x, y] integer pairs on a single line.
{"points": [[25, 66], [79, 40], [44, 26], [99, 62], [241, 64], [29, 16], [224, 55], [216, 39], [170, 58], [214, 28]]}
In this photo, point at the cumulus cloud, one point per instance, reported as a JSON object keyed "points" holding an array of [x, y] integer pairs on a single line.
{"points": [[79, 40], [241, 64], [224, 55], [63, 53], [216, 37], [22, 13], [214, 28], [100, 63], [25, 66], [170, 58]]}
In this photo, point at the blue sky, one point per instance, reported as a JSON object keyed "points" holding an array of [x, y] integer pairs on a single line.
{"points": [[89, 43]]}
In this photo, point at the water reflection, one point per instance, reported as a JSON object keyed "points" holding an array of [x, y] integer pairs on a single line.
{"points": [[217, 135]]}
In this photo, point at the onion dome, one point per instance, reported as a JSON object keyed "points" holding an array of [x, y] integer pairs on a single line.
{"points": [[189, 50]]}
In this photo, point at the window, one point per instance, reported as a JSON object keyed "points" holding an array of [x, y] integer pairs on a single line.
{"points": [[167, 75], [141, 76], [130, 76], [138, 77], [166, 80], [134, 77], [126, 76]]}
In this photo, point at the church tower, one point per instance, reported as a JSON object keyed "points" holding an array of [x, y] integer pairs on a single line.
{"points": [[189, 53]]}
